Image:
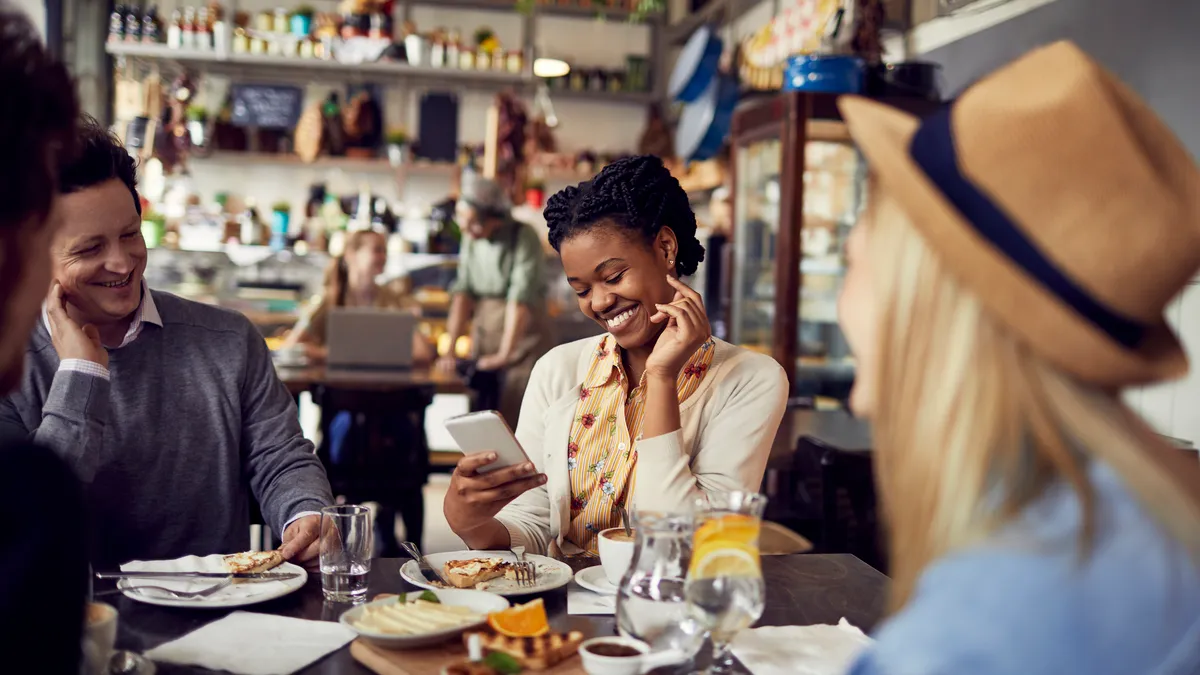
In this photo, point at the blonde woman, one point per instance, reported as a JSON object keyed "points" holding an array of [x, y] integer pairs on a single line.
{"points": [[1008, 280], [350, 282]]}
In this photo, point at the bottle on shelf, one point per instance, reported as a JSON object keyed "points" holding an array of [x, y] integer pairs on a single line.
{"points": [[175, 30], [133, 24], [454, 49], [335, 132], [203, 33], [189, 28], [116, 24], [151, 30]]}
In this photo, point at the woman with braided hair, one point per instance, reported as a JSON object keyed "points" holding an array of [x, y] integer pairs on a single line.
{"points": [[652, 414]]}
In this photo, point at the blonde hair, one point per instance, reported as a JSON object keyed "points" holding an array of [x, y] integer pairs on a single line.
{"points": [[971, 426], [336, 274]]}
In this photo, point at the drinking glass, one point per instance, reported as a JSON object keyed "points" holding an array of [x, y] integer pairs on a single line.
{"points": [[725, 590], [346, 538], [651, 605]]}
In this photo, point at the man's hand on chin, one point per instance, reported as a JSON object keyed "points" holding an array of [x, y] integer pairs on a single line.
{"points": [[302, 542]]}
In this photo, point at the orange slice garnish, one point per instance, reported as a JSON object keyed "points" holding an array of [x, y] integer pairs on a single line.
{"points": [[528, 620]]}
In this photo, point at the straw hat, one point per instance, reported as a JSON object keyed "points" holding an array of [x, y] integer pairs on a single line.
{"points": [[1055, 194]]}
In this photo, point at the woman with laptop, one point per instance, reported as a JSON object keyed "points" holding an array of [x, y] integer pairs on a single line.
{"points": [[651, 415], [350, 282]]}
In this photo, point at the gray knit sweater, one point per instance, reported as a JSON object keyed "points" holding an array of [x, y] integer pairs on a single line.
{"points": [[192, 422]]}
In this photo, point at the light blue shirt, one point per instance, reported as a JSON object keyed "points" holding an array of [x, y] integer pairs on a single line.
{"points": [[1024, 603]]}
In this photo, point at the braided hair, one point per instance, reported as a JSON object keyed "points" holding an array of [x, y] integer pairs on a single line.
{"points": [[639, 195]]}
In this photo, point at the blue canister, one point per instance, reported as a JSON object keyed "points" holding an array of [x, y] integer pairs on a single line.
{"points": [[279, 229], [824, 74], [301, 25]]}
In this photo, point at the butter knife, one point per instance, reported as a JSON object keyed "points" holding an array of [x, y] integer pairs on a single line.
{"points": [[265, 576], [431, 575]]}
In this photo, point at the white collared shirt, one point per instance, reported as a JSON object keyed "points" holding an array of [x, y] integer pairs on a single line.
{"points": [[146, 313]]}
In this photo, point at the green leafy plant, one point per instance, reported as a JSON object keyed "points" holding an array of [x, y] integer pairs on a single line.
{"points": [[525, 7], [281, 206], [396, 137], [197, 113], [646, 8], [502, 663]]}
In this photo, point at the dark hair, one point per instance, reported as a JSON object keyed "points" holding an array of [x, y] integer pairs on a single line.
{"points": [[38, 108], [638, 194], [101, 158]]}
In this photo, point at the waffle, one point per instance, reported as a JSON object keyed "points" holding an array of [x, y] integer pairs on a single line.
{"points": [[535, 653]]}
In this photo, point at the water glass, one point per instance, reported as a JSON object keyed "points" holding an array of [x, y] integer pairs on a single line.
{"points": [[346, 539], [725, 589]]}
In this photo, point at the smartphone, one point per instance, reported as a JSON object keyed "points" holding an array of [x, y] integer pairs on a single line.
{"points": [[483, 432]]}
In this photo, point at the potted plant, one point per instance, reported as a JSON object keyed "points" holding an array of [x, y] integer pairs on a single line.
{"points": [[281, 214], [397, 146], [301, 21]]}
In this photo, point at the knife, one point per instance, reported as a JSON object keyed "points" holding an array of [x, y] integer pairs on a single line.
{"points": [[431, 575], [266, 576]]}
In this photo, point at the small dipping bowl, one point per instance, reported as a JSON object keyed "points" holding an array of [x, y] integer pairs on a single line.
{"points": [[613, 656]]}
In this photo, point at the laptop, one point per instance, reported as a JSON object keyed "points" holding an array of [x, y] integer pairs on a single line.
{"points": [[367, 338]]}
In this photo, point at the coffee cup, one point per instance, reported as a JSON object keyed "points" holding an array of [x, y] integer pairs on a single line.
{"points": [[623, 656], [99, 637], [616, 553]]}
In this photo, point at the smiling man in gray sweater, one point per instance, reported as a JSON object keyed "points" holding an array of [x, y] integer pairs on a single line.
{"points": [[168, 410]]}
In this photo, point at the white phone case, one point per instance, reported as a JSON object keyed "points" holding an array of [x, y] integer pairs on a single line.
{"points": [[486, 431]]}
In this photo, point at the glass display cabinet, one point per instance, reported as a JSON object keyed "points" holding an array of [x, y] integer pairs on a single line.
{"points": [[799, 186]]}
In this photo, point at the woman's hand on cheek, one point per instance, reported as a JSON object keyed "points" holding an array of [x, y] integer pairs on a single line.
{"points": [[687, 329]]}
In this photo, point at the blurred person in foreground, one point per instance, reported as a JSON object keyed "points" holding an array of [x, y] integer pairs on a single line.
{"points": [[500, 291], [1008, 281], [350, 281], [168, 410], [42, 556]]}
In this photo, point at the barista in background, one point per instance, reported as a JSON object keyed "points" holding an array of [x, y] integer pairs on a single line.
{"points": [[501, 290], [350, 282]]}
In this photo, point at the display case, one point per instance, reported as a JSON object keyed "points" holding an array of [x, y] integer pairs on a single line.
{"points": [[799, 186]]}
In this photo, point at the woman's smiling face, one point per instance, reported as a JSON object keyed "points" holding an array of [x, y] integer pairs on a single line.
{"points": [[618, 279]]}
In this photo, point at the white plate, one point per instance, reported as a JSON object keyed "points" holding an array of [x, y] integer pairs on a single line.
{"points": [[235, 595], [593, 579], [551, 574], [477, 601]]}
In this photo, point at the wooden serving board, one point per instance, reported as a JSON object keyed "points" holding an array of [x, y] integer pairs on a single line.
{"points": [[430, 661]]}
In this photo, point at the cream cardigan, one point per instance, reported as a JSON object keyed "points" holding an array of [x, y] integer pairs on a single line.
{"points": [[727, 427]]}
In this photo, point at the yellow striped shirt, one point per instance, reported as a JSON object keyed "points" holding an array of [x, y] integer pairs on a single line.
{"points": [[602, 449]]}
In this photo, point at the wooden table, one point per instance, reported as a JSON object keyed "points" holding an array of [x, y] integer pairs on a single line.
{"points": [[299, 379], [801, 590]]}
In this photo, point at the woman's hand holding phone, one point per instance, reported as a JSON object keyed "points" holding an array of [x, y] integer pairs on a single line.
{"points": [[475, 497]]}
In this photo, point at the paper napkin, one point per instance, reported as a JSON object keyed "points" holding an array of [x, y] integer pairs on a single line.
{"points": [[800, 650], [246, 643]]}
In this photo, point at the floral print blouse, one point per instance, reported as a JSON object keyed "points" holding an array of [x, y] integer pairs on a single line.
{"points": [[602, 451]]}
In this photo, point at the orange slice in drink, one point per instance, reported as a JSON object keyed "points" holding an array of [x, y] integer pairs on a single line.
{"points": [[528, 620], [733, 528], [725, 559]]}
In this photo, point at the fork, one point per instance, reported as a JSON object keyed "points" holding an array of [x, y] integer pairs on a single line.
{"points": [[525, 570], [185, 595]]}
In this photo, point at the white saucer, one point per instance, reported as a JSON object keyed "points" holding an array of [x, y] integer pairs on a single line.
{"points": [[593, 579]]}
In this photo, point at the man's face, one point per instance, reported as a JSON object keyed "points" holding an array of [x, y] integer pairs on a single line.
{"points": [[25, 298], [99, 255], [474, 223]]}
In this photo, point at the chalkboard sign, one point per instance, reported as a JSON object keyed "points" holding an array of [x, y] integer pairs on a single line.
{"points": [[266, 106]]}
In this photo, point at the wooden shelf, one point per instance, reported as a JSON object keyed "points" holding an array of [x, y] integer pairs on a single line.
{"points": [[630, 97], [377, 165], [598, 8], [311, 69]]}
